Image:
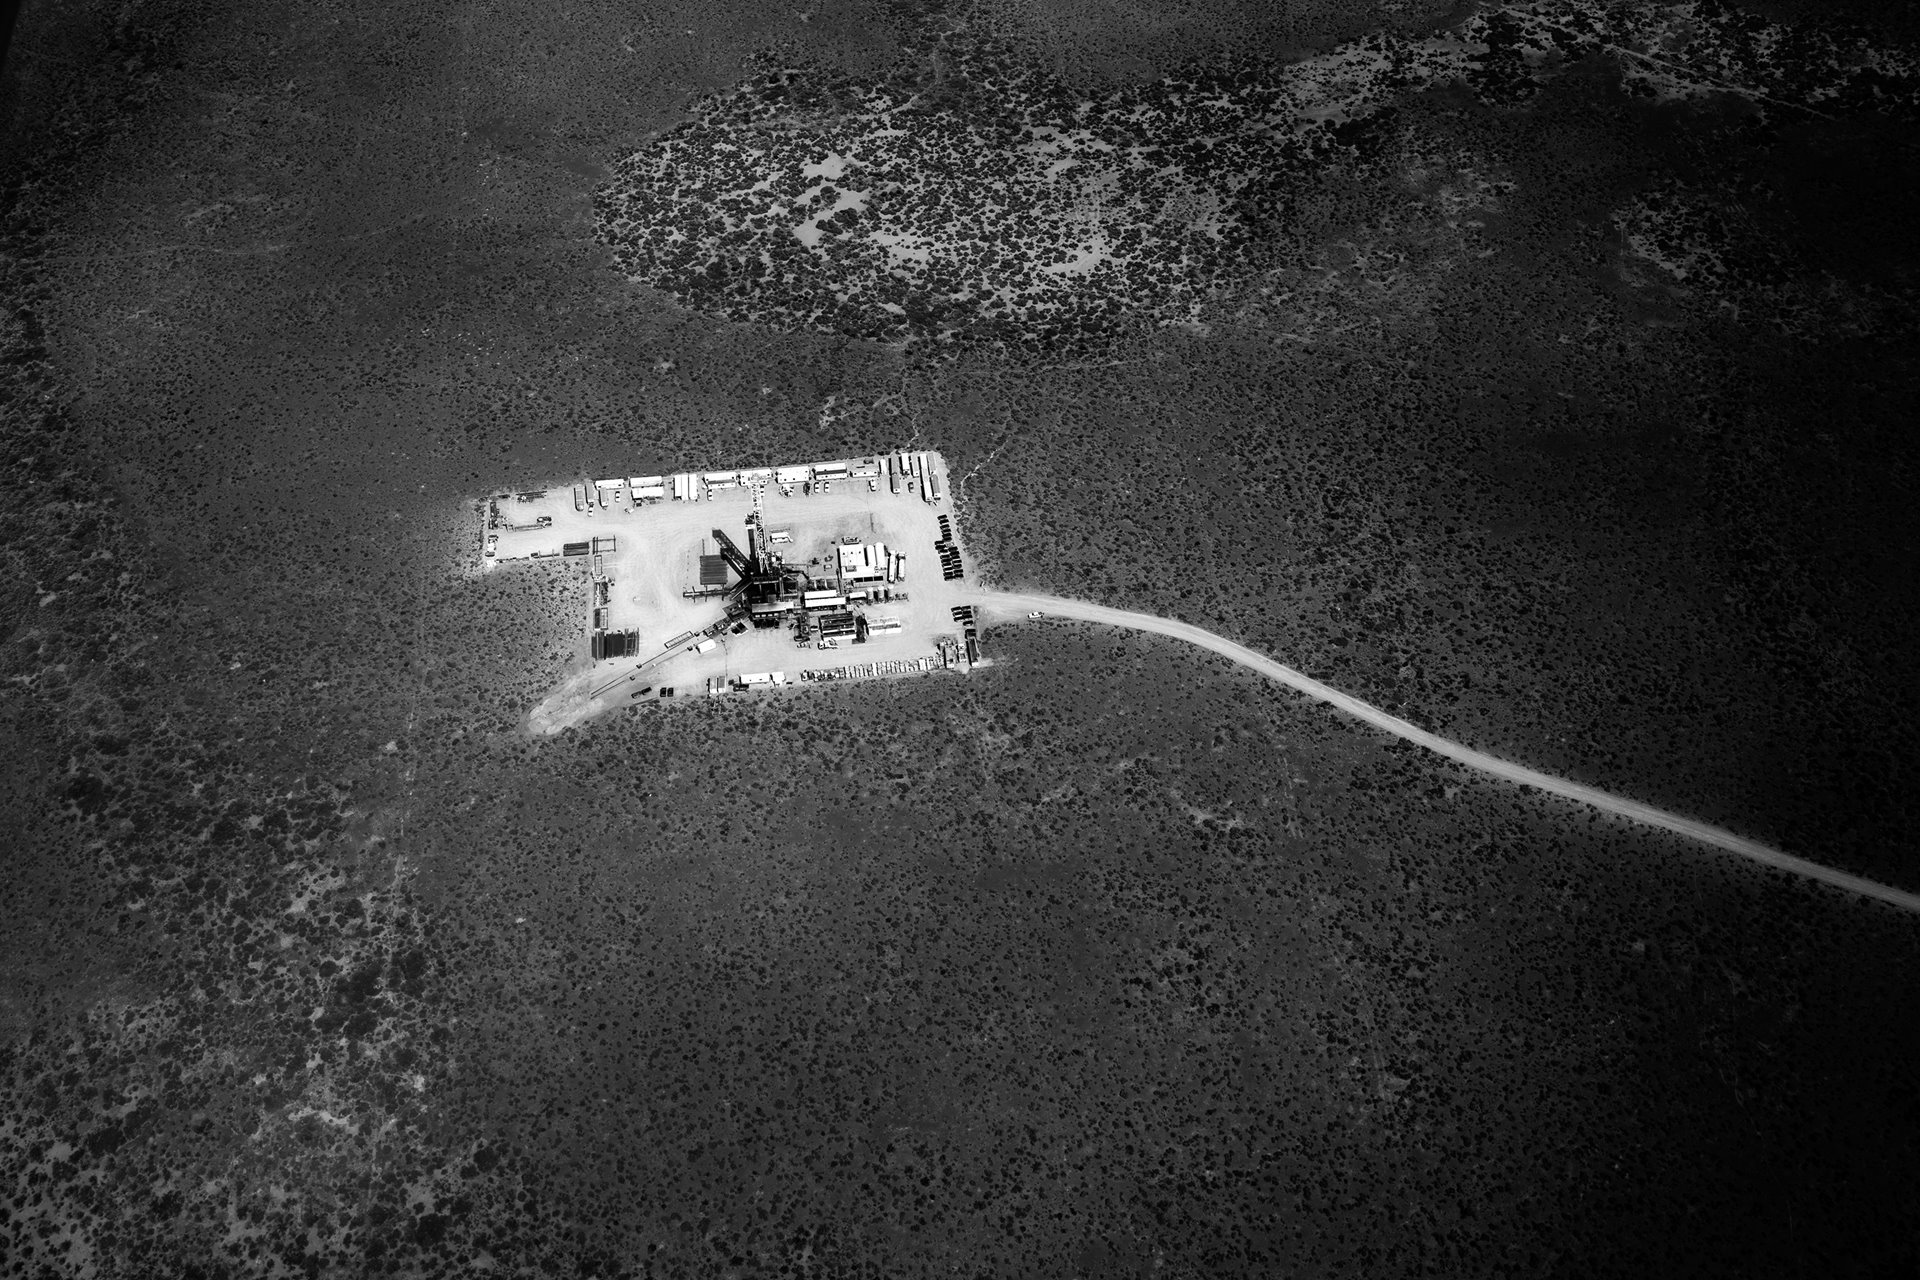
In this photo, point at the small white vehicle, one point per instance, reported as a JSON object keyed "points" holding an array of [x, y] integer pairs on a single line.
{"points": [[873, 486], [1036, 615]]}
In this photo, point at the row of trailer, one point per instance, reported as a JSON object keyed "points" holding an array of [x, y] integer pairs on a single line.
{"points": [[636, 489], [912, 471]]}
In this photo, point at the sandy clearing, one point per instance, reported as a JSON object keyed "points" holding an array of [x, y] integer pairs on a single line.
{"points": [[1016, 604]]}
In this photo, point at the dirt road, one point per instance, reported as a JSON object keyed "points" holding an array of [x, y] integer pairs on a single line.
{"points": [[1017, 605]]}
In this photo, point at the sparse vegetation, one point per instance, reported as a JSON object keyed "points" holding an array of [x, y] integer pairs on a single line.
{"points": [[1559, 408]]}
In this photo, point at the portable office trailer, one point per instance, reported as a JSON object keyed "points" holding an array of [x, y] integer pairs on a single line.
{"points": [[793, 475]]}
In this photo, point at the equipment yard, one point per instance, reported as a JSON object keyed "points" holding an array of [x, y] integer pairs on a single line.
{"points": [[717, 581]]}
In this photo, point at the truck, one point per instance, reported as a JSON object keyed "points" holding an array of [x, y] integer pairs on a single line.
{"points": [[579, 498]]}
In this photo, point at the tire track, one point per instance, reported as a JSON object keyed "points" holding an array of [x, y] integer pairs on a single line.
{"points": [[1718, 837]]}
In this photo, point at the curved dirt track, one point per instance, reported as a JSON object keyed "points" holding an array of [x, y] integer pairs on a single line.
{"points": [[1021, 603]]}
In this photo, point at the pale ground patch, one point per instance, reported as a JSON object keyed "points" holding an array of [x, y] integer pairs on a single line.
{"points": [[656, 557]]}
